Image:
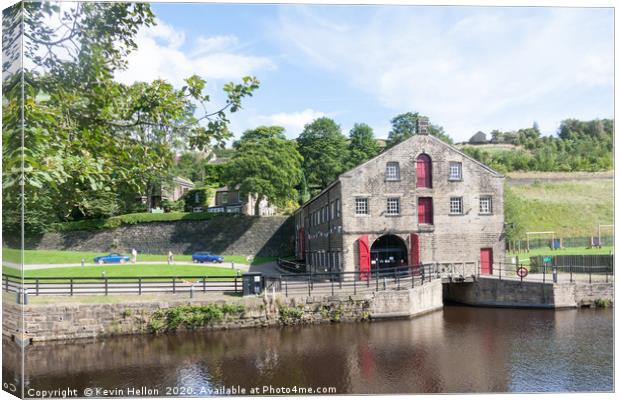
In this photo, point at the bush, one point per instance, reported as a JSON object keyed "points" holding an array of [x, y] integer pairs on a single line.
{"points": [[602, 303], [198, 198], [290, 315], [173, 206], [191, 317]]}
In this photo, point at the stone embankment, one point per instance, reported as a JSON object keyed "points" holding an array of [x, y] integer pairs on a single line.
{"points": [[67, 321], [228, 235], [492, 292]]}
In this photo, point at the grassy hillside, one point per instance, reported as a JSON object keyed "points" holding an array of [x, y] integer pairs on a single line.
{"points": [[570, 208], [491, 148]]}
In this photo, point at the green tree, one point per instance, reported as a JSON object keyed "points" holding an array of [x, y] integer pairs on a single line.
{"points": [[405, 126], [513, 215], [85, 133], [302, 188], [325, 152], [191, 165], [362, 144], [265, 164]]}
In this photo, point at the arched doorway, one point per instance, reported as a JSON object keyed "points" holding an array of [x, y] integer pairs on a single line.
{"points": [[388, 251]]}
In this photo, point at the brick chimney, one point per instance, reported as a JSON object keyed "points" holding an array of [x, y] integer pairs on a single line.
{"points": [[422, 126]]}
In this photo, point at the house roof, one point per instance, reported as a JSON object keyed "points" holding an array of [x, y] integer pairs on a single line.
{"points": [[183, 181], [489, 169]]}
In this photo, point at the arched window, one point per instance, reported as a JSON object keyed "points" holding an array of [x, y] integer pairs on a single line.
{"points": [[424, 171]]}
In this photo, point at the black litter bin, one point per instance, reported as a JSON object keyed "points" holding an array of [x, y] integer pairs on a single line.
{"points": [[252, 284]]}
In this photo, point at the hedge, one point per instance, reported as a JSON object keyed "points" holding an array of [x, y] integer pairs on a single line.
{"points": [[131, 219]]}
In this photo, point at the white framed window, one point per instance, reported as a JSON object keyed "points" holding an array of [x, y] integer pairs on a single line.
{"points": [[456, 205], [486, 205], [361, 206], [393, 206], [337, 208], [392, 171], [456, 171], [333, 210]]}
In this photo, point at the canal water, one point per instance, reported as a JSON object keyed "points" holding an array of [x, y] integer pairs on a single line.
{"points": [[456, 350]]}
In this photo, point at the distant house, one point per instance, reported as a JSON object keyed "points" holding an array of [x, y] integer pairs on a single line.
{"points": [[479, 138], [228, 200], [172, 191]]}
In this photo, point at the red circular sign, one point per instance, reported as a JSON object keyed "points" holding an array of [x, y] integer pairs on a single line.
{"points": [[522, 272]]}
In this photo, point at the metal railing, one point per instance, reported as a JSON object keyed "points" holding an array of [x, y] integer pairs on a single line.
{"points": [[538, 243], [550, 273], [332, 283], [291, 266], [63, 286]]}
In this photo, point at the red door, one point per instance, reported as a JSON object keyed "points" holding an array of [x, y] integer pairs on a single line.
{"points": [[414, 250], [486, 261], [425, 210], [424, 173], [364, 260]]}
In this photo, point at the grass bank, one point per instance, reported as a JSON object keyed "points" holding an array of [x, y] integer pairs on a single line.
{"points": [[524, 258], [75, 257], [132, 219], [125, 271], [570, 208]]}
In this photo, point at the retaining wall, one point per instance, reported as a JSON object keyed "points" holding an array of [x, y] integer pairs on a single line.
{"points": [[226, 234], [491, 292], [69, 321]]}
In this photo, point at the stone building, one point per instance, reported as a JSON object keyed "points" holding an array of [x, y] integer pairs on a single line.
{"points": [[171, 191], [419, 201], [478, 138], [228, 200]]}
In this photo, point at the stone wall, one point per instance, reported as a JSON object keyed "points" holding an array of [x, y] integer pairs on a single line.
{"points": [[227, 234], [492, 292], [68, 321], [587, 293], [408, 303]]}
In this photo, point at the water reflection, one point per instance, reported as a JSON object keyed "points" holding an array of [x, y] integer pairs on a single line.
{"points": [[459, 349]]}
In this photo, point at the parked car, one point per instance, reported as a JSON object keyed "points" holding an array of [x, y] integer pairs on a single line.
{"points": [[111, 258], [205, 256]]}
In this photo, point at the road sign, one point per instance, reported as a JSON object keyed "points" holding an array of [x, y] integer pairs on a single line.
{"points": [[522, 272], [547, 259]]}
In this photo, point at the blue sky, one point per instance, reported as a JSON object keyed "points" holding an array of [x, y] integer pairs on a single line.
{"points": [[467, 68]]}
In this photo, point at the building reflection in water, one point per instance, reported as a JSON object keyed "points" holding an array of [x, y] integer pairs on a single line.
{"points": [[459, 349]]}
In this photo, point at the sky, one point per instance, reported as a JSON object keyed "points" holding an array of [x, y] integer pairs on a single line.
{"points": [[468, 69]]}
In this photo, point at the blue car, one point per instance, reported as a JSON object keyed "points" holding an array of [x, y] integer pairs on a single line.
{"points": [[205, 256], [112, 258]]}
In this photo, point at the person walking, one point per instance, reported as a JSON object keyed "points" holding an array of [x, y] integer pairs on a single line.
{"points": [[169, 257], [134, 256]]}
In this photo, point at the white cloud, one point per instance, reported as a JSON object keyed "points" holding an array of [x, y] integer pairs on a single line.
{"points": [[214, 43], [293, 122], [469, 71], [161, 55]]}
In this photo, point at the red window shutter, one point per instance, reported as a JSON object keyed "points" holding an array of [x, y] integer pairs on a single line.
{"points": [[424, 173], [414, 249], [425, 210], [364, 257], [421, 210]]}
